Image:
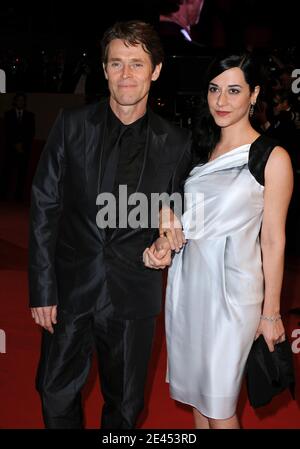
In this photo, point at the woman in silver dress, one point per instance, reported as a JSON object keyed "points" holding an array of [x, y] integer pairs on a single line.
{"points": [[224, 284]]}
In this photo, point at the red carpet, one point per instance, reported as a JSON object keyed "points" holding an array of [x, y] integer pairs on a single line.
{"points": [[20, 405]]}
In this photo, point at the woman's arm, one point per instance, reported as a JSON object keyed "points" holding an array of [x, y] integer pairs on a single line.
{"points": [[277, 195]]}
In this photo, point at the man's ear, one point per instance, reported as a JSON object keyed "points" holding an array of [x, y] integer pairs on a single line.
{"points": [[104, 70], [156, 72]]}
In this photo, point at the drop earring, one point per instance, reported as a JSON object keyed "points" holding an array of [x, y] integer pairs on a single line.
{"points": [[251, 110]]}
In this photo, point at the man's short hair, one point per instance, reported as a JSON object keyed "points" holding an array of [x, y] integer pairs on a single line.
{"points": [[134, 32]]}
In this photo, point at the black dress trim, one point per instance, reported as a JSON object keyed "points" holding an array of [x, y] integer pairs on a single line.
{"points": [[259, 153]]}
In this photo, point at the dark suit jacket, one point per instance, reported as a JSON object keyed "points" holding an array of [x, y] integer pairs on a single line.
{"points": [[67, 249]]}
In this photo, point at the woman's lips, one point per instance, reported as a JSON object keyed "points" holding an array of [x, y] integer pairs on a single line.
{"points": [[222, 113]]}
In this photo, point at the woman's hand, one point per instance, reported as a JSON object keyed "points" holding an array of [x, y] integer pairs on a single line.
{"points": [[171, 228], [158, 256], [273, 332]]}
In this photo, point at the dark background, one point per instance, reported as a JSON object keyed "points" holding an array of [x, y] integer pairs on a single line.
{"points": [[28, 28], [55, 21]]}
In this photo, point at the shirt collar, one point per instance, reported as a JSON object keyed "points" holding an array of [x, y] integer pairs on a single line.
{"points": [[114, 123]]}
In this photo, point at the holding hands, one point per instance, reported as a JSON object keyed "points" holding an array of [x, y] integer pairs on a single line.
{"points": [[159, 255], [171, 228]]}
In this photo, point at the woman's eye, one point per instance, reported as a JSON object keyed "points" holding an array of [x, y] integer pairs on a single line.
{"points": [[234, 91], [212, 89]]}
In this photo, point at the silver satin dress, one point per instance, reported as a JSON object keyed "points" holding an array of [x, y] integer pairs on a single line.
{"points": [[215, 286]]}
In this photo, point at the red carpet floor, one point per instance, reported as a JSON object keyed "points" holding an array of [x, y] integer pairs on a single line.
{"points": [[20, 405]]}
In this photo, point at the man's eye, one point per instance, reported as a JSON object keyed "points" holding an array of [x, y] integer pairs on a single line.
{"points": [[115, 65]]}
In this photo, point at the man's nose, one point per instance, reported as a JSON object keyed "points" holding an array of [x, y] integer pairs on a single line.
{"points": [[126, 71]]}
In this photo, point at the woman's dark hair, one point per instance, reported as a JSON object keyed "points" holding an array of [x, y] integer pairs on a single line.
{"points": [[134, 32], [206, 132]]}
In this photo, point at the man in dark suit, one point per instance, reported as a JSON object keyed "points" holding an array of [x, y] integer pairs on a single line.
{"points": [[19, 133], [88, 284]]}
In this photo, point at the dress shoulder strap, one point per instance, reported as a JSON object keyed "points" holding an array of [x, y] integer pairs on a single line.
{"points": [[259, 153]]}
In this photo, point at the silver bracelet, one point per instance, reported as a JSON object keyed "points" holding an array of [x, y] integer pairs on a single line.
{"points": [[270, 318]]}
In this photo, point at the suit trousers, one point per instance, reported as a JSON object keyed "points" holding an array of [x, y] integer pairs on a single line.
{"points": [[123, 348]]}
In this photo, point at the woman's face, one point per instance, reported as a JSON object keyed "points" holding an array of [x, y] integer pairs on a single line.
{"points": [[229, 97]]}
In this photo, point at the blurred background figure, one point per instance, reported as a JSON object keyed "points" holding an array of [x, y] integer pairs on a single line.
{"points": [[175, 22], [278, 121], [185, 58], [58, 72], [19, 127], [88, 80]]}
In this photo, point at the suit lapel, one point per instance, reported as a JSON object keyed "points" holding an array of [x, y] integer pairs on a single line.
{"points": [[155, 146], [152, 158], [94, 145]]}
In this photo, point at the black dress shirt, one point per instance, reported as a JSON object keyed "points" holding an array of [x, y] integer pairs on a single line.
{"points": [[123, 154]]}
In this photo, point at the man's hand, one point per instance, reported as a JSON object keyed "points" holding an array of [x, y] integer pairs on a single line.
{"points": [[171, 228], [45, 317], [158, 256]]}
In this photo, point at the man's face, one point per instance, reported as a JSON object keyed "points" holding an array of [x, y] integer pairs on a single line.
{"points": [[129, 73], [20, 102]]}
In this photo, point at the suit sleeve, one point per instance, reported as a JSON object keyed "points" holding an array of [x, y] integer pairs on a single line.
{"points": [[182, 170], [45, 212]]}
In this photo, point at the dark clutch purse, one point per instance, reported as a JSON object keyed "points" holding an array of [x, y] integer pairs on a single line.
{"points": [[269, 373]]}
